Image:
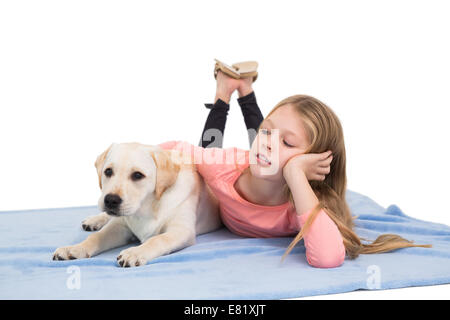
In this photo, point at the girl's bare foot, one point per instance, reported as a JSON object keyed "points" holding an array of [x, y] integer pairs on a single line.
{"points": [[245, 87], [226, 85]]}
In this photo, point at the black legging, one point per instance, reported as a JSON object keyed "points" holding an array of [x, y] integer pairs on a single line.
{"points": [[215, 123]]}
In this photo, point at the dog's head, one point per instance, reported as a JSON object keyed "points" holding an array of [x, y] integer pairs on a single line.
{"points": [[131, 173]]}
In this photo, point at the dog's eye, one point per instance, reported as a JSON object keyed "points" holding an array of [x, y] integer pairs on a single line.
{"points": [[137, 176], [108, 172]]}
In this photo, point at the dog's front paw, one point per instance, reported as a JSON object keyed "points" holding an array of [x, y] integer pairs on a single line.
{"points": [[132, 257], [95, 223], [71, 253]]}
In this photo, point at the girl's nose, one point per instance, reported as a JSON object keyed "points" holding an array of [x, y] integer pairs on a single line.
{"points": [[265, 146], [265, 143]]}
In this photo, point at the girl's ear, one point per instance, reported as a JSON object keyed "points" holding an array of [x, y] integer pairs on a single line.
{"points": [[99, 162], [166, 171]]}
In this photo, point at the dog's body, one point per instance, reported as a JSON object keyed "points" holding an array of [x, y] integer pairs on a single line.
{"points": [[149, 194]]}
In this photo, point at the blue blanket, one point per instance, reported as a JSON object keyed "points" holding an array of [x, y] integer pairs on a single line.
{"points": [[220, 266]]}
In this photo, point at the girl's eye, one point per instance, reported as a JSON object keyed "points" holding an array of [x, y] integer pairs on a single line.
{"points": [[108, 172], [137, 176], [267, 132]]}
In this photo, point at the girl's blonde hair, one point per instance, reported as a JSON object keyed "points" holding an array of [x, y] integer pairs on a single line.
{"points": [[325, 132]]}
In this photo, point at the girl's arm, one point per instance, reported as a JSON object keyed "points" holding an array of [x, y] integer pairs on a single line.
{"points": [[323, 241]]}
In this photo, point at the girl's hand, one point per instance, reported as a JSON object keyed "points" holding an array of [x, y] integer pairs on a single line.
{"points": [[315, 166]]}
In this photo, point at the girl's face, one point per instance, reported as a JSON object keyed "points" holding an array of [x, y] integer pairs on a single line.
{"points": [[281, 136]]}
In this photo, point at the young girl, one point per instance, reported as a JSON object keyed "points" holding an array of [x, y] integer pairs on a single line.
{"points": [[288, 181]]}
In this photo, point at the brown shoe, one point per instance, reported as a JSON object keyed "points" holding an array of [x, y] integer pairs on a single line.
{"points": [[239, 70]]}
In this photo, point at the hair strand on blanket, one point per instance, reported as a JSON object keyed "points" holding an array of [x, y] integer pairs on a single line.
{"points": [[352, 243]]}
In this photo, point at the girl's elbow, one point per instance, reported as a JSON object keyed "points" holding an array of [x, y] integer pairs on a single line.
{"points": [[327, 260]]}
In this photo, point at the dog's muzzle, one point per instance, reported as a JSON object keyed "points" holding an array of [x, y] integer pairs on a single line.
{"points": [[112, 203]]}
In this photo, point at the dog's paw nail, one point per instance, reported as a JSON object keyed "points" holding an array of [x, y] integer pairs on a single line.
{"points": [[71, 257], [94, 228], [121, 263], [118, 258], [87, 228], [137, 264], [127, 265]]}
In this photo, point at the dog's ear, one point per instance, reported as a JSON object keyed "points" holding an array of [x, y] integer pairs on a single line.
{"points": [[99, 164], [166, 171]]}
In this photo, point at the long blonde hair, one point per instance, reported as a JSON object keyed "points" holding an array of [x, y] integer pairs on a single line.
{"points": [[325, 132]]}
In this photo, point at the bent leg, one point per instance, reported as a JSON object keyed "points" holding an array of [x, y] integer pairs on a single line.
{"points": [[215, 125], [252, 115]]}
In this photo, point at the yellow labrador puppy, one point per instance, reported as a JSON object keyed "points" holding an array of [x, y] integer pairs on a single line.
{"points": [[149, 194]]}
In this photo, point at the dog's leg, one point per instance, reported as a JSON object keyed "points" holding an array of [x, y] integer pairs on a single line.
{"points": [[94, 223], [114, 234], [176, 237]]}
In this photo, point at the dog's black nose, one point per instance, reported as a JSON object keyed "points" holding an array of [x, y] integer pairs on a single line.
{"points": [[112, 201]]}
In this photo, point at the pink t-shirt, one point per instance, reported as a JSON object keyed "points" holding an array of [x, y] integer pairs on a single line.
{"points": [[220, 169]]}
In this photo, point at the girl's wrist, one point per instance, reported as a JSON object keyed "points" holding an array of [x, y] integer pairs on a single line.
{"points": [[293, 174]]}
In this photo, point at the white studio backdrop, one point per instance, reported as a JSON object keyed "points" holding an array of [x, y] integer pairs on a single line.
{"points": [[76, 76]]}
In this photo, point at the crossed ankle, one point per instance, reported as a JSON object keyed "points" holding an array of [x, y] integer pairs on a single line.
{"points": [[247, 98], [245, 92], [224, 97]]}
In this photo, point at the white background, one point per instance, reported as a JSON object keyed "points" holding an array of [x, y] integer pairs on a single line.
{"points": [[76, 76]]}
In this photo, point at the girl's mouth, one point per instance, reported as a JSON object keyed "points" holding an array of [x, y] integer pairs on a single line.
{"points": [[263, 160]]}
